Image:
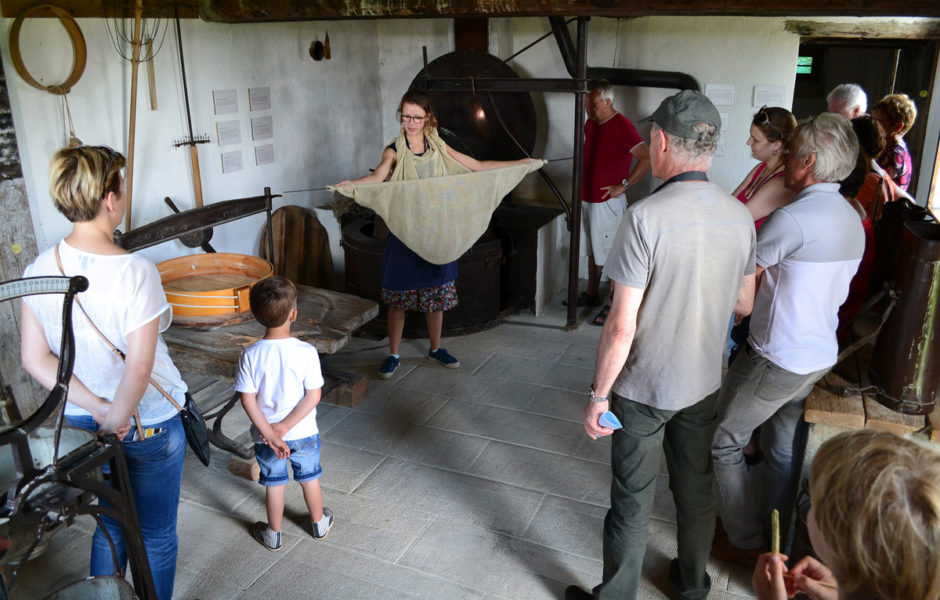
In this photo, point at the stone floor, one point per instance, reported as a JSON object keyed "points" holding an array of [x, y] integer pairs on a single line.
{"points": [[475, 483]]}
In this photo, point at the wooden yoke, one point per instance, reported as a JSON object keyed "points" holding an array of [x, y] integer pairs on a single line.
{"points": [[198, 219]]}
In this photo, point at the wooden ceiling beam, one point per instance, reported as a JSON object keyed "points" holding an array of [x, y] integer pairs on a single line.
{"points": [[887, 29], [257, 11]]}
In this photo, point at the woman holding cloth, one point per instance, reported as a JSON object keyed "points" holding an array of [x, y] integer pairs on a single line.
{"points": [[125, 301], [408, 281]]}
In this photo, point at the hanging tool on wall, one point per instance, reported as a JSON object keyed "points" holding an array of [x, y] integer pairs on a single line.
{"points": [[152, 76], [132, 123], [146, 29], [190, 141], [80, 55]]}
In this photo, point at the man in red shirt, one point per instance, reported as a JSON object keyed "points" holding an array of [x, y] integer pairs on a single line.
{"points": [[611, 142]]}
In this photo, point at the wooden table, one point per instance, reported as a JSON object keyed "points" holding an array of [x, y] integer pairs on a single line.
{"points": [[325, 319], [207, 350]]}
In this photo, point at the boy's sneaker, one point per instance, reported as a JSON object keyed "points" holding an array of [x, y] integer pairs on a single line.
{"points": [[322, 528], [388, 367], [267, 537], [444, 358]]}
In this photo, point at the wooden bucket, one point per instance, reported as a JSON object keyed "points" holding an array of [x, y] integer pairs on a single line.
{"points": [[211, 284]]}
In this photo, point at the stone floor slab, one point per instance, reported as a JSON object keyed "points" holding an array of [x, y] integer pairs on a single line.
{"points": [[512, 426], [501, 565], [314, 571], [542, 471], [551, 374], [460, 498], [396, 436]]}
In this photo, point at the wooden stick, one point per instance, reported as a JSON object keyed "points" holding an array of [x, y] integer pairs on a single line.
{"points": [[135, 63], [152, 75], [775, 531], [831, 586]]}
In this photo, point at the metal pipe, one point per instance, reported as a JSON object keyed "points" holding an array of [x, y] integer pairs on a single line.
{"points": [[631, 77], [574, 252]]}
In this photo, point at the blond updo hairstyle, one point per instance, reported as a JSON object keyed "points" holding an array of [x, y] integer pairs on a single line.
{"points": [[81, 177]]}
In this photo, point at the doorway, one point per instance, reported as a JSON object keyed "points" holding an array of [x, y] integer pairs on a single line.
{"points": [[876, 65]]}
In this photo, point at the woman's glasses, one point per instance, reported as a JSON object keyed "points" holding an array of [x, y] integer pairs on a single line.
{"points": [[413, 119]]}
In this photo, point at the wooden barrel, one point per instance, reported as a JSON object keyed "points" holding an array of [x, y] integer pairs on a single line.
{"points": [[211, 284]]}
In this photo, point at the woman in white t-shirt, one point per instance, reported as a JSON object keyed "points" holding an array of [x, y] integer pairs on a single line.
{"points": [[125, 301]]}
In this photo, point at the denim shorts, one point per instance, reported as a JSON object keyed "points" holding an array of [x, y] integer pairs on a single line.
{"points": [[304, 460]]}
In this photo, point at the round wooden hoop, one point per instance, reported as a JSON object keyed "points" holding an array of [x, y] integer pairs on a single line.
{"points": [[78, 47]]}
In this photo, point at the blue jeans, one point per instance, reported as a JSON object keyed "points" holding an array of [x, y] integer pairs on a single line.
{"points": [[685, 435], [156, 472], [304, 459], [757, 392]]}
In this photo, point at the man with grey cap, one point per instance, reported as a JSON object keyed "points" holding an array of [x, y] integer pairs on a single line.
{"points": [[683, 259], [807, 254]]}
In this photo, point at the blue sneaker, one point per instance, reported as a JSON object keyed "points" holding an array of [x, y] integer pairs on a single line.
{"points": [[388, 367], [444, 358]]}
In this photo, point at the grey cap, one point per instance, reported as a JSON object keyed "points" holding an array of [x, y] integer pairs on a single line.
{"points": [[679, 113]]}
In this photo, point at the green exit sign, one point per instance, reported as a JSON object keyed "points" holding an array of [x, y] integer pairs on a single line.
{"points": [[804, 65]]}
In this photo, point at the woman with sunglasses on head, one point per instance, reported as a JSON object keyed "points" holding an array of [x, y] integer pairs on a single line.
{"points": [[762, 191], [408, 281], [126, 303]]}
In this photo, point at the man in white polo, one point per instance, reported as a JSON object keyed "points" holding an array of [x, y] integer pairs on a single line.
{"points": [[807, 253]]}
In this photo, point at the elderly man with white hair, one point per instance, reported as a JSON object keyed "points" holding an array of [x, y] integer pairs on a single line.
{"points": [[848, 100], [807, 254]]}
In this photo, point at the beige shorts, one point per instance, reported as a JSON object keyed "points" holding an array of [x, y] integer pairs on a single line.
{"points": [[601, 221]]}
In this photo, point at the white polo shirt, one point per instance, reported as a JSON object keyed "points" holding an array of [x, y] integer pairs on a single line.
{"points": [[810, 249]]}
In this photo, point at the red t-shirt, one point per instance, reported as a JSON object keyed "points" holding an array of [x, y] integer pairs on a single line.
{"points": [[607, 155]]}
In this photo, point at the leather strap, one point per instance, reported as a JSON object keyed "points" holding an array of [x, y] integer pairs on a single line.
{"points": [[116, 351]]}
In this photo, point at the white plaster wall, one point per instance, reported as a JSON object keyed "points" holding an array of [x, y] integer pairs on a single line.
{"points": [[325, 116], [332, 117], [741, 51]]}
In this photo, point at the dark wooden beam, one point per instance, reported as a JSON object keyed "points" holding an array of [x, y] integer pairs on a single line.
{"points": [[232, 11], [471, 33], [256, 11], [887, 29], [189, 9]]}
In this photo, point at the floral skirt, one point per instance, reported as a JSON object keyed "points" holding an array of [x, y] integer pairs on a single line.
{"points": [[429, 299]]}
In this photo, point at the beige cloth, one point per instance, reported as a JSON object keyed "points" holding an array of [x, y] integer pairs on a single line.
{"points": [[435, 205]]}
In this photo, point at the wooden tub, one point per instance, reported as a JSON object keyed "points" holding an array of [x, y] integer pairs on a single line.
{"points": [[211, 285]]}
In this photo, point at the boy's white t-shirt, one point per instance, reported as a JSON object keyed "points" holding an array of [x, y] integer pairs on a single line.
{"points": [[279, 372], [124, 293]]}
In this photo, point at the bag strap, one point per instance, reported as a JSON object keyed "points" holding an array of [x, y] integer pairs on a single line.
{"points": [[116, 351]]}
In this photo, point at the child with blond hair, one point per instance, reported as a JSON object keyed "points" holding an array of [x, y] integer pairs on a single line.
{"points": [[874, 523]]}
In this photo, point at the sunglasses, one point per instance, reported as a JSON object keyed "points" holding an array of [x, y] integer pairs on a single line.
{"points": [[763, 118]]}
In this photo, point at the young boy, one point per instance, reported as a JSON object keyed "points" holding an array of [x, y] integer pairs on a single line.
{"points": [[875, 521], [279, 380]]}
